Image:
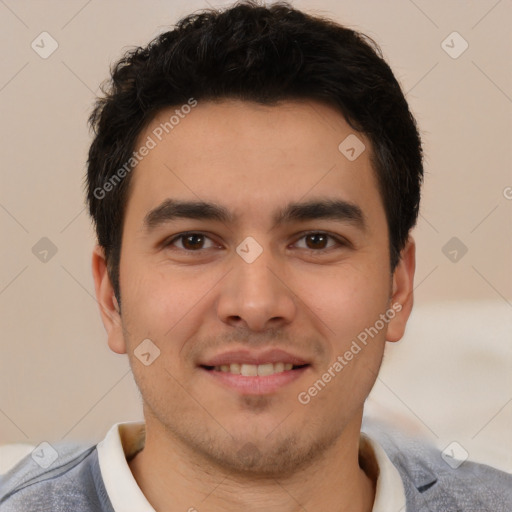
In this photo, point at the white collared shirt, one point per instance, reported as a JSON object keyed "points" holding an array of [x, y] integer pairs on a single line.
{"points": [[125, 439]]}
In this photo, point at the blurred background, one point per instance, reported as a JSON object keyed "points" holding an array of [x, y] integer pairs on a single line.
{"points": [[449, 380]]}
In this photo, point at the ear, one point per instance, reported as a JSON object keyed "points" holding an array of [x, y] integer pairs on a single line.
{"points": [[107, 301], [402, 291]]}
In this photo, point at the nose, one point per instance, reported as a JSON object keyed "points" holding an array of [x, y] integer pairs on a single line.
{"points": [[256, 295]]}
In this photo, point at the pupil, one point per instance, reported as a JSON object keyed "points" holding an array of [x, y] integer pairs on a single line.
{"points": [[317, 239], [193, 241]]}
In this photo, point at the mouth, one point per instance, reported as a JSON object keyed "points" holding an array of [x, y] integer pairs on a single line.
{"points": [[249, 373], [254, 370]]}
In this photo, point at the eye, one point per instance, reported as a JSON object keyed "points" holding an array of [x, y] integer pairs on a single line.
{"points": [[318, 241], [315, 241], [190, 242]]}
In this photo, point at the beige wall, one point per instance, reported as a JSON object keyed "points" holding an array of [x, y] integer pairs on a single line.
{"points": [[57, 376]]}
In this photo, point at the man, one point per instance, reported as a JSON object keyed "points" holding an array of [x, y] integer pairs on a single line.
{"points": [[254, 177]]}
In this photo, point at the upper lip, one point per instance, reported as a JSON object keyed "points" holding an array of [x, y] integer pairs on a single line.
{"points": [[242, 356]]}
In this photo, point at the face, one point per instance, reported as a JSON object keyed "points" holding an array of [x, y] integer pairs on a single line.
{"points": [[255, 257]]}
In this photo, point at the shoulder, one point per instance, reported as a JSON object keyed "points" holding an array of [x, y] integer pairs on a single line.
{"points": [[435, 479], [54, 477]]}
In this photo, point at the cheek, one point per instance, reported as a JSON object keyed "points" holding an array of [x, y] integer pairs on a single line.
{"points": [[351, 304], [346, 300], [151, 291], [158, 307], [163, 306]]}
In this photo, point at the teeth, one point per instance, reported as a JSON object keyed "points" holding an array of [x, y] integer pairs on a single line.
{"points": [[278, 367], [253, 370], [266, 369], [249, 370]]}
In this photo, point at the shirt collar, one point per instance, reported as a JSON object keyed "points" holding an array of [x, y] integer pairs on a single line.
{"points": [[389, 492], [121, 442]]}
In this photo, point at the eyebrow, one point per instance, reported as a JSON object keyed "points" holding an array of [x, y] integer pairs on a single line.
{"points": [[332, 209]]}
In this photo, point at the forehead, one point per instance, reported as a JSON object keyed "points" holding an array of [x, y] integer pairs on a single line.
{"points": [[251, 157]]}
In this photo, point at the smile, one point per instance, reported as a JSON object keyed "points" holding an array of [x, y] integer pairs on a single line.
{"points": [[253, 370], [252, 379]]}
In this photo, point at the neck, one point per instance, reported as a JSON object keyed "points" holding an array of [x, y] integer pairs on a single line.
{"points": [[170, 473]]}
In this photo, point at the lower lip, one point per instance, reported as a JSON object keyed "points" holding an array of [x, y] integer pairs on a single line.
{"points": [[257, 385]]}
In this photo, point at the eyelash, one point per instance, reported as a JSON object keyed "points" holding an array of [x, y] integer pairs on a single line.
{"points": [[339, 241]]}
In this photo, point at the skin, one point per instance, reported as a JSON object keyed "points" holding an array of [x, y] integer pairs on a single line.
{"points": [[208, 446]]}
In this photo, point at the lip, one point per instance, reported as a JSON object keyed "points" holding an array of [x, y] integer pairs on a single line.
{"points": [[257, 385], [244, 356]]}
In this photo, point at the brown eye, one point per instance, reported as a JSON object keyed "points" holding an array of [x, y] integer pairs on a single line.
{"points": [[318, 241], [190, 242], [193, 241]]}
